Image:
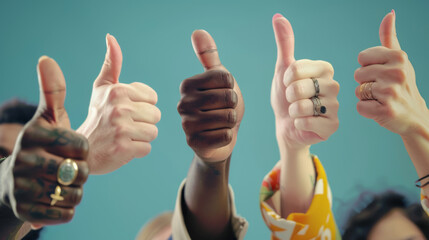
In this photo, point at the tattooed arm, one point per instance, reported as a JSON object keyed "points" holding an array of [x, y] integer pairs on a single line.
{"points": [[29, 175], [211, 108]]}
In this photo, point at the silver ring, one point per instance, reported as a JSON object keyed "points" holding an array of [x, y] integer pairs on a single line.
{"points": [[316, 86], [318, 108]]}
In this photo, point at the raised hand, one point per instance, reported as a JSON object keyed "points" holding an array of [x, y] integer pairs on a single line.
{"points": [[40, 185], [292, 90], [121, 119], [211, 106], [388, 92]]}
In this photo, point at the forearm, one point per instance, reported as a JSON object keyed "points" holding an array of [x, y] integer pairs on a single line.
{"points": [[297, 179], [206, 205], [417, 146]]}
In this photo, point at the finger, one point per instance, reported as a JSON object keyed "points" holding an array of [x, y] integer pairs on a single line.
{"points": [[42, 214], [369, 109], [206, 50], [112, 65], [140, 149], [208, 100], [36, 190], [305, 89], [140, 92], [381, 55], [52, 90], [305, 108], [210, 139], [387, 32], [285, 41], [46, 166], [305, 68], [211, 79], [58, 141], [210, 120], [323, 127], [144, 112], [140, 131]]}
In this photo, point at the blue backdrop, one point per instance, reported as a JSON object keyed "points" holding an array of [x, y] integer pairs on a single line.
{"points": [[155, 40]]}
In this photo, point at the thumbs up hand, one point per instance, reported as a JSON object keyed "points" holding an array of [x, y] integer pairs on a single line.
{"points": [[388, 92], [292, 90], [211, 105], [121, 119], [33, 176]]}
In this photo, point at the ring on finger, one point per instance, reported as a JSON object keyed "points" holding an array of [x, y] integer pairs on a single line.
{"points": [[318, 108], [365, 91], [56, 196], [67, 172], [316, 86]]}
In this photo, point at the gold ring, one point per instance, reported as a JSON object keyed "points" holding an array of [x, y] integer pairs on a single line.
{"points": [[365, 91], [67, 172], [56, 196]]}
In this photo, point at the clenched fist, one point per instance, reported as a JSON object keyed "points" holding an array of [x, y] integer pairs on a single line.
{"points": [[292, 90], [211, 106], [387, 78], [121, 119], [32, 176]]}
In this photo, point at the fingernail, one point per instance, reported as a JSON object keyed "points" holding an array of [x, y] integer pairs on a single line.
{"points": [[277, 15], [393, 11]]}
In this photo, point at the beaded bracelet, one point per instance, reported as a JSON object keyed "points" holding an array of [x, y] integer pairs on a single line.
{"points": [[419, 184]]}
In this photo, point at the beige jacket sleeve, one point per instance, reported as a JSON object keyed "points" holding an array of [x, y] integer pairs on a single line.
{"points": [[179, 230]]}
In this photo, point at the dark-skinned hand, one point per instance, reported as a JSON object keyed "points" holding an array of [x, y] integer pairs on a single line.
{"points": [[29, 175], [211, 105]]}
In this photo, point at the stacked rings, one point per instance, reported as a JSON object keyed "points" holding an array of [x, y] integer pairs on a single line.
{"points": [[365, 91], [318, 108]]}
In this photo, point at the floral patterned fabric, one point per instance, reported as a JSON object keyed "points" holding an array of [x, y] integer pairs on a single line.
{"points": [[317, 223]]}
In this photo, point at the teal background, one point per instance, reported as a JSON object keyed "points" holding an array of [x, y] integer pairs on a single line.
{"points": [[155, 40]]}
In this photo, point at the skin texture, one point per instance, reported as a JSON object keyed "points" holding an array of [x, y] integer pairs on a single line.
{"points": [[395, 226], [8, 134], [399, 107], [296, 127], [211, 107], [43, 143], [121, 119]]}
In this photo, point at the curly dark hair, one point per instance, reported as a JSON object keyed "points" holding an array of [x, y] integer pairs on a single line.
{"points": [[360, 224], [16, 111]]}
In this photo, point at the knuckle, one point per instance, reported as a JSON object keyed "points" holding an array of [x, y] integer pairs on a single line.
{"points": [[157, 114], [399, 56], [390, 92], [84, 171], [227, 136], [68, 215], [192, 140], [153, 132], [186, 125], [397, 74], [334, 87], [82, 145], [116, 91], [328, 68], [76, 197], [145, 150], [295, 70], [229, 97], [232, 117], [225, 78], [120, 131], [184, 86]]}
